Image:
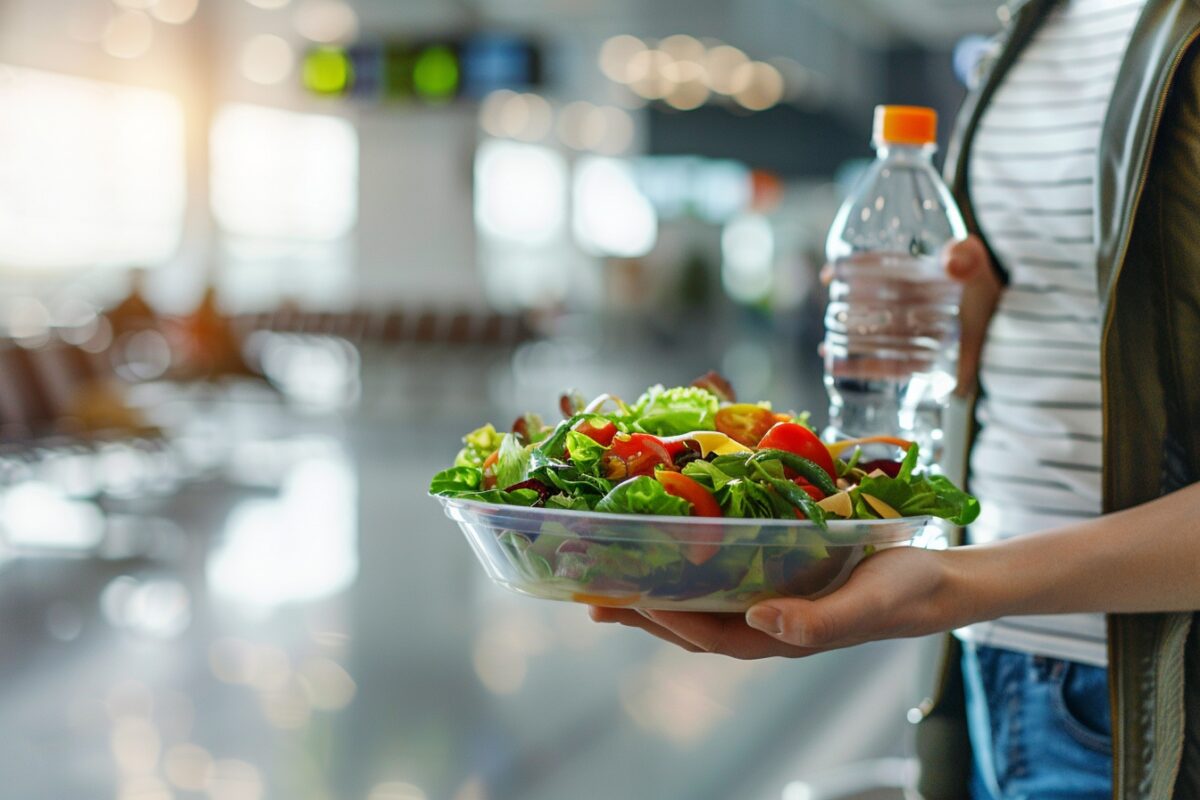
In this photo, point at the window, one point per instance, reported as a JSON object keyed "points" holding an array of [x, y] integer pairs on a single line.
{"points": [[282, 175], [91, 174]]}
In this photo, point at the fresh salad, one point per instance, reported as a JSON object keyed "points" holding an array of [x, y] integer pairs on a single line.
{"points": [[664, 460], [694, 451]]}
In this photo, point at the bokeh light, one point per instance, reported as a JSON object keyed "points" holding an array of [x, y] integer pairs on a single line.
{"points": [[326, 21], [759, 86], [435, 73], [187, 767], [616, 54], [174, 12], [327, 71], [721, 64], [231, 779], [266, 59], [129, 35]]}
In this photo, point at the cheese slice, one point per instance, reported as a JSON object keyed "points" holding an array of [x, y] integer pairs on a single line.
{"points": [[713, 442], [881, 508], [839, 504]]}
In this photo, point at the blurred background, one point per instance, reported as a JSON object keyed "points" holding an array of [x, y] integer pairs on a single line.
{"points": [[263, 262]]}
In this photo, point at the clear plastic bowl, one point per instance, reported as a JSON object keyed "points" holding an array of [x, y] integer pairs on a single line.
{"points": [[678, 563]]}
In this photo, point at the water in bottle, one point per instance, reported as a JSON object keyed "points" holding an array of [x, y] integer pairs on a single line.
{"points": [[891, 326]]}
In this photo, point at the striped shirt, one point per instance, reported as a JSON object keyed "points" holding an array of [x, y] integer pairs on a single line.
{"points": [[1036, 464]]}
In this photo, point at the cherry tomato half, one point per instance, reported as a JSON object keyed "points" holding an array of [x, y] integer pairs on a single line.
{"points": [[745, 423], [634, 454], [679, 485], [795, 438], [601, 433]]}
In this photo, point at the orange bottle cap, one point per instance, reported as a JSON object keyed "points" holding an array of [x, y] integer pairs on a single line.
{"points": [[911, 125]]}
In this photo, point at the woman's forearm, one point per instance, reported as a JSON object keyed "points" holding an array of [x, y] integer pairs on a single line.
{"points": [[1142, 559]]}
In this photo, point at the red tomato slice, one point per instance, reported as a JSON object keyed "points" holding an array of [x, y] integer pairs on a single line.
{"points": [[703, 505], [601, 434], [744, 423], [795, 438], [635, 454], [679, 485]]}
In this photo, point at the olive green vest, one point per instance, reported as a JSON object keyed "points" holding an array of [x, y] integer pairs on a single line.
{"points": [[1148, 232]]}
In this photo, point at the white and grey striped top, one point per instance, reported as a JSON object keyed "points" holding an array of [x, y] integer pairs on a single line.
{"points": [[1032, 179]]}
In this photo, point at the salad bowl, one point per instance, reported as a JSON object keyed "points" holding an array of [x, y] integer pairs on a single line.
{"points": [[669, 563]]}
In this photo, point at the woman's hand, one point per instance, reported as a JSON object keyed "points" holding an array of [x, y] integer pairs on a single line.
{"points": [[968, 262], [897, 593]]}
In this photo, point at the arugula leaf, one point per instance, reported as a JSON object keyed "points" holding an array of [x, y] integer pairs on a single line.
{"points": [[643, 495], [479, 444], [909, 462], [456, 481], [707, 474], [585, 452], [570, 481], [670, 412], [742, 497], [551, 447], [512, 461], [567, 502]]}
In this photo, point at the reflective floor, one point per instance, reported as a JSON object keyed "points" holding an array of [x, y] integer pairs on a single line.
{"points": [[301, 623]]}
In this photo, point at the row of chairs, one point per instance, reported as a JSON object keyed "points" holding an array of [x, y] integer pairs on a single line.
{"points": [[393, 327], [58, 390]]}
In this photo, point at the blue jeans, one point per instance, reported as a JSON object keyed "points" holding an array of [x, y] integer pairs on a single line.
{"points": [[1040, 727]]}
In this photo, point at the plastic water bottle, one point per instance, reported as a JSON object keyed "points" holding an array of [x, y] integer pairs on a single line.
{"points": [[891, 326]]}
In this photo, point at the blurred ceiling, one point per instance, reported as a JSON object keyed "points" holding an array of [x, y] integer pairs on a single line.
{"points": [[930, 22], [927, 22]]}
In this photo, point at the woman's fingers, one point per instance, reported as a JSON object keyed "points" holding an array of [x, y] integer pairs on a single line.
{"points": [[968, 261], [725, 634], [632, 619]]}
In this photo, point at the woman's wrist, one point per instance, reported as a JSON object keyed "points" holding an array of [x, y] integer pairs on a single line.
{"points": [[983, 582]]}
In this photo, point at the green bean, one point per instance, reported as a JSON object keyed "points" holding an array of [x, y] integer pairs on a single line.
{"points": [[809, 470], [796, 496]]}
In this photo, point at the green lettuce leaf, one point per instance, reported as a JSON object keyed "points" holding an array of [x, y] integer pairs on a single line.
{"points": [[512, 461], [670, 412], [585, 453], [643, 495], [456, 481], [479, 444]]}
